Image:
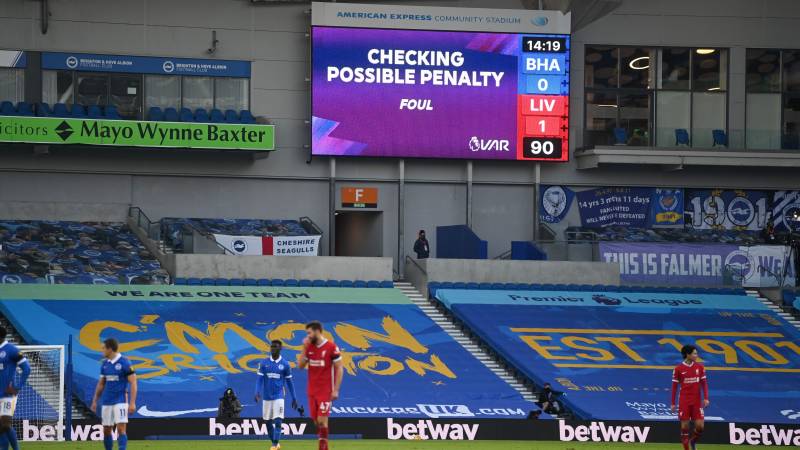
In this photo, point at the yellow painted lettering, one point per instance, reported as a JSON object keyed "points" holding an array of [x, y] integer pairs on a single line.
{"points": [[544, 350], [225, 362], [370, 364], [213, 339], [716, 347], [91, 335], [576, 343], [772, 357], [620, 343], [395, 335], [146, 364], [436, 365], [174, 361]]}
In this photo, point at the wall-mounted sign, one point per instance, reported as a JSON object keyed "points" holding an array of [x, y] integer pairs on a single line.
{"points": [[359, 197], [145, 64]]}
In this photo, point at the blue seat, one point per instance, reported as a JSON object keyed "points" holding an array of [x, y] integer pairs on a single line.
{"points": [[231, 116], [7, 109], [304, 283], [333, 283], [77, 111], [373, 284], [201, 115], [95, 112], [387, 284], [620, 136], [720, 138], [318, 283], [447, 285], [291, 282], [278, 282], [193, 281], [264, 282], [180, 281], [249, 282], [60, 110], [485, 286], [112, 113], [681, 137], [237, 282], [155, 114], [245, 116], [216, 116], [208, 282], [459, 285], [360, 284], [24, 109], [222, 282], [185, 115], [170, 115], [43, 110], [346, 283]]}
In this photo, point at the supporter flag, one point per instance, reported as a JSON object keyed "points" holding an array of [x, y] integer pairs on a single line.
{"points": [[270, 245], [666, 208], [786, 210], [555, 203]]}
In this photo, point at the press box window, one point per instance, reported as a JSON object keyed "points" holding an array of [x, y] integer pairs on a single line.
{"points": [[12, 85]]}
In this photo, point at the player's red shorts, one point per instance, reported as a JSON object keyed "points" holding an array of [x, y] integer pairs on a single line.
{"points": [[319, 406], [691, 411]]}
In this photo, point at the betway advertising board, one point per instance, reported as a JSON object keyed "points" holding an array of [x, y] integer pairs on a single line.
{"points": [[134, 133]]}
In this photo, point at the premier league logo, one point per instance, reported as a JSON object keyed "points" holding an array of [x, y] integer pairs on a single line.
{"points": [[606, 300], [741, 211], [740, 264], [239, 246]]}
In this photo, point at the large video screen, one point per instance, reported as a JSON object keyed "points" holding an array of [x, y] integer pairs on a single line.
{"points": [[440, 94]]}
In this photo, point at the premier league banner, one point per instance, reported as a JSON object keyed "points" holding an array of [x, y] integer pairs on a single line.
{"points": [[786, 210], [726, 209], [615, 206], [682, 264], [667, 208], [555, 203]]}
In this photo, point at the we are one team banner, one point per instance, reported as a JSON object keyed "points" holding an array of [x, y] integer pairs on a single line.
{"points": [[135, 133], [270, 245]]}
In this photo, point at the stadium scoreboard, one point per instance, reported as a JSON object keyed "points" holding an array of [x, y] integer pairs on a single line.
{"points": [[429, 82]]}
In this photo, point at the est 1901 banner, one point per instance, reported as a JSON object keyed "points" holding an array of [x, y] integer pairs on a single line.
{"points": [[134, 133]]}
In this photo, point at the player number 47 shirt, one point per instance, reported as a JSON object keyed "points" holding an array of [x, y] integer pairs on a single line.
{"points": [[320, 368]]}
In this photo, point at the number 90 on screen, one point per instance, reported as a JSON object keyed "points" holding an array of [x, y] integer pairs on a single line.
{"points": [[541, 148]]}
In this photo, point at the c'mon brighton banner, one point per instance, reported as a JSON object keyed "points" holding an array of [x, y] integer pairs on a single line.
{"points": [[189, 343], [135, 133]]}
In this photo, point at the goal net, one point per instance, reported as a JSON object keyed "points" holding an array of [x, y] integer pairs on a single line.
{"points": [[40, 403]]}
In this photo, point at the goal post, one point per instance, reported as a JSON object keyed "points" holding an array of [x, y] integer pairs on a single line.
{"points": [[41, 401]]}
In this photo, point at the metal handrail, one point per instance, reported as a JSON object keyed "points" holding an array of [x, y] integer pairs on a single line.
{"points": [[210, 237], [408, 258]]}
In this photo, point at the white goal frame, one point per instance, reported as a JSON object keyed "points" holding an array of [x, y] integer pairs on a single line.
{"points": [[61, 369]]}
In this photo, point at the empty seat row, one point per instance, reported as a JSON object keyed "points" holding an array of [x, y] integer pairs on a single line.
{"points": [[281, 282], [109, 112], [433, 286], [22, 109], [199, 115]]}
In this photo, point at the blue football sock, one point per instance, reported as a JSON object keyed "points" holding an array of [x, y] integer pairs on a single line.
{"points": [[270, 430], [122, 441], [12, 438], [276, 436], [4, 441], [108, 442]]}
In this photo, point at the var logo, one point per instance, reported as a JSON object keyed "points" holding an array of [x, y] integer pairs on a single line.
{"points": [[486, 145], [599, 432]]}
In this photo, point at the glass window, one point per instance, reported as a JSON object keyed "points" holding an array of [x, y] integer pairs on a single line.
{"points": [[674, 71], [634, 117], [708, 114], [791, 70], [709, 69], [791, 122], [12, 85], [231, 93], [126, 94], [673, 113], [163, 91], [57, 86], [601, 67], [92, 89], [636, 66], [763, 70], [763, 121], [601, 118], [198, 92]]}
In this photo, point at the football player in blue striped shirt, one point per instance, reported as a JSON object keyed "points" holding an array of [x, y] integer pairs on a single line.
{"points": [[274, 378], [10, 385], [118, 387]]}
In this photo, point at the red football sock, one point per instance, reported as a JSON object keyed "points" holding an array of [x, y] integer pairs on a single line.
{"points": [[323, 438], [685, 440], [696, 435]]}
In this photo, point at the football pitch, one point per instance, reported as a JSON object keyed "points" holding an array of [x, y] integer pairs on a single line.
{"points": [[363, 445]]}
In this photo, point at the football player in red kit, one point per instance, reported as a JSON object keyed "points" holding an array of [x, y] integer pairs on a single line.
{"points": [[325, 372], [691, 376]]}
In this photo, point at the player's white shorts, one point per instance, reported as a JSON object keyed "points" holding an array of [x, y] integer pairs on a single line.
{"points": [[272, 409], [114, 414], [8, 405]]}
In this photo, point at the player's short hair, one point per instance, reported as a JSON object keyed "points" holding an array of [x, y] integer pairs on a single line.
{"points": [[687, 350], [277, 341], [3, 332], [111, 344], [315, 325]]}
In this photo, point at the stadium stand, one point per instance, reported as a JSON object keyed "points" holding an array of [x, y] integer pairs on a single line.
{"points": [[631, 234], [612, 349], [61, 252], [111, 112], [399, 363]]}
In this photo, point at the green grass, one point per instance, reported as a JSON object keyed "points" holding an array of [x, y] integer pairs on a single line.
{"points": [[362, 445]]}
